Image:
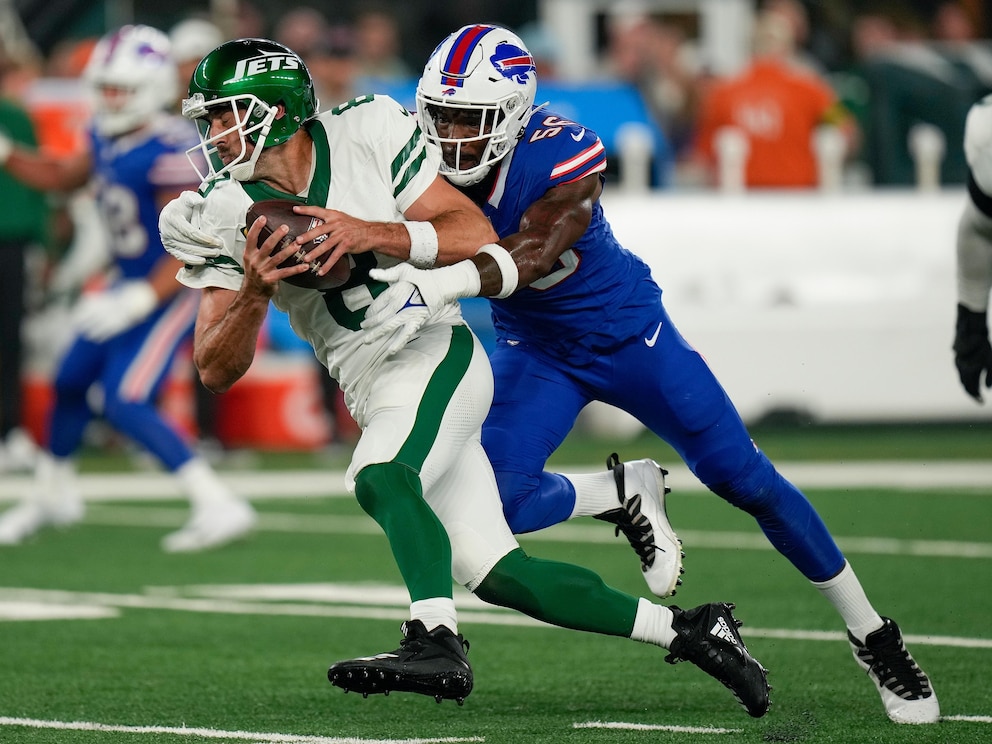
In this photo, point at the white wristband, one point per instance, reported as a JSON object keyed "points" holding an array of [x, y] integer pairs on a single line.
{"points": [[423, 244], [6, 147], [507, 268]]}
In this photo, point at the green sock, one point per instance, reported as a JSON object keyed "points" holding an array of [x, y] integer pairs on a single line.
{"points": [[391, 494], [559, 593]]}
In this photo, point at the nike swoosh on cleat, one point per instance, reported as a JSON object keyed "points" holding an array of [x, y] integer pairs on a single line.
{"points": [[650, 342], [580, 135]]}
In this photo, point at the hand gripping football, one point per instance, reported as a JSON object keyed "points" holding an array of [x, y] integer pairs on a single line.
{"points": [[280, 212]]}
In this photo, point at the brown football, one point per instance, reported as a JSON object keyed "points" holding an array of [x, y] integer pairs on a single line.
{"points": [[280, 212]]}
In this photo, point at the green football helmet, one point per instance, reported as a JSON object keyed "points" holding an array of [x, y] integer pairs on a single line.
{"points": [[251, 78]]}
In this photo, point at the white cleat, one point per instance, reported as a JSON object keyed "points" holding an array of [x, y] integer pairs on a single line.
{"points": [[643, 520], [20, 522], [211, 527], [906, 691], [29, 517]]}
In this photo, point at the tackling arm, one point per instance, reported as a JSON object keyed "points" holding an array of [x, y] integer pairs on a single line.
{"points": [[459, 225], [549, 227]]}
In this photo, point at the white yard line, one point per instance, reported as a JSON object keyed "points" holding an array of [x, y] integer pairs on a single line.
{"points": [[344, 600], [207, 733], [655, 727], [913, 476], [169, 517]]}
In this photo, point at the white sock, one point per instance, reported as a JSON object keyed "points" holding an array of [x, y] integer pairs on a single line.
{"points": [[594, 493], [434, 612], [55, 480], [202, 484], [653, 624], [844, 592]]}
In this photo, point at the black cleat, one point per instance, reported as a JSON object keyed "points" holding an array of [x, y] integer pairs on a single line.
{"points": [[906, 691], [432, 664], [708, 637]]}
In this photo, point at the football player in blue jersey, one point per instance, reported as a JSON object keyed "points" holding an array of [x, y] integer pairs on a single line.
{"points": [[127, 334], [579, 318]]}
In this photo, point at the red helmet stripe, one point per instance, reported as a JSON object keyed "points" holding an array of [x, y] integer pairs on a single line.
{"points": [[453, 70]]}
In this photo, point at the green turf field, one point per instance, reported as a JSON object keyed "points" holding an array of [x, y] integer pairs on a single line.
{"points": [[234, 645]]}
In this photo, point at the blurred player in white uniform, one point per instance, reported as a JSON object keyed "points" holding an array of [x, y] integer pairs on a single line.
{"points": [[127, 333], [972, 351], [419, 468]]}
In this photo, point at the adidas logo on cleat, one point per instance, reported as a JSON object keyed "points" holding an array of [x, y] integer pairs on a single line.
{"points": [[722, 631]]}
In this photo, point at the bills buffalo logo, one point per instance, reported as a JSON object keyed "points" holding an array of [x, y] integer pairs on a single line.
{"points": [[512, 62]]}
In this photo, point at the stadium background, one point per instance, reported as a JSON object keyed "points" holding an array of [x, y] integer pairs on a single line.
{"points": [[814, 307]]}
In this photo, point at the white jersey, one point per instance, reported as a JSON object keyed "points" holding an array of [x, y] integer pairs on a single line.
{"points": [[978, 143], [371, 162]]}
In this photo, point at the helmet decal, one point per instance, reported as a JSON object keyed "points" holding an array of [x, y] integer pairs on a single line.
{"points": [[513, 62], [265, 62]]}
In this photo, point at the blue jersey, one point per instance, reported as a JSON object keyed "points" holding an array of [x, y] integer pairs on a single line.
{"points": [[129, 172], [598, 292], [594, 329]]}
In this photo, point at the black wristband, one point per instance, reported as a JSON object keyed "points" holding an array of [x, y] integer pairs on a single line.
{"points": [[971, 321], [982, 200]]}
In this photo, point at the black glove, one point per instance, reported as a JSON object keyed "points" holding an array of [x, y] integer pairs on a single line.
{"points": [[972, 351]]}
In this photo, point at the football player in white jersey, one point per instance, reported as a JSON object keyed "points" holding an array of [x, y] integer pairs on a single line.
{"points": [[972, 351], [419, 468]]}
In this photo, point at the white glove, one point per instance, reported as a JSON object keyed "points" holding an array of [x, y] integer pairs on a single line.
{"points": [[104, 314], [180, 238], [414, 297]]}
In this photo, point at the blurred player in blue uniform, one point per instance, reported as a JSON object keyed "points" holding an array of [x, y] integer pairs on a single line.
{"points": [[126, 334], [578, 318]]}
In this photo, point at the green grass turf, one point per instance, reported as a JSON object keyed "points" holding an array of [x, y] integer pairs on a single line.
{"points": [[265, 673]]}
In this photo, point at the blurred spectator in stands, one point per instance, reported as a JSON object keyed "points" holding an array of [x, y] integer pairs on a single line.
{"points": [[334, 67], [191, 39], [656, 56], [775, 107], [901, 79], [301, 28], [954, 22], [22, 228], [380, 63]]}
